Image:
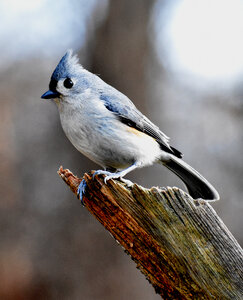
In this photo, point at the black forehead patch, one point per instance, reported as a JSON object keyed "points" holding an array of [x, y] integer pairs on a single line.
{"points": [[53, 85]]}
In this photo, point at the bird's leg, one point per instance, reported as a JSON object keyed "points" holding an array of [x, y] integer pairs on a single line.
{"points": [[81, 191]]}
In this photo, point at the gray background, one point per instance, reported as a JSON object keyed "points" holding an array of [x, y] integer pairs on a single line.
{"points": [[50, 246]]}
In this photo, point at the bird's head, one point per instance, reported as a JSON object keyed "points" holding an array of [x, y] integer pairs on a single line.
{"points": [[68, 79]]}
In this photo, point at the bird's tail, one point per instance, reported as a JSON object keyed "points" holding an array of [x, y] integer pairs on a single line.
{"points": [[198, 187]]}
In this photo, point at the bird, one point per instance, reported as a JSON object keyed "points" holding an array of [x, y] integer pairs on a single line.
{"points": [[105, 126]]}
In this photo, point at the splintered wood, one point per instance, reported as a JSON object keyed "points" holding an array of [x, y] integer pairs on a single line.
{"points": [[180, 245]]}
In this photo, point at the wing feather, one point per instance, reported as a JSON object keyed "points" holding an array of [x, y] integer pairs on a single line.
{"points": [[128, 114]]}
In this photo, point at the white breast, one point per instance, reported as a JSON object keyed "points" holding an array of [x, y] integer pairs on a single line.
{"points": [[99, 135]]}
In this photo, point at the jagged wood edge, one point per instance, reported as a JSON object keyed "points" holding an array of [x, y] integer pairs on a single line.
{"points": [[180, 245]]}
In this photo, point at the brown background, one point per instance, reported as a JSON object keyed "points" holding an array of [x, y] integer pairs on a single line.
{"points": [[50, 247]]}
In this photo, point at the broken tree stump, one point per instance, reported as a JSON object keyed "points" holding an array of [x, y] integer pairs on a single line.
{"points": [[180, 245]]}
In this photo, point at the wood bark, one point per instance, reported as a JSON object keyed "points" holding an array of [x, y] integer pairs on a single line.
{"points": [[180, 245]]}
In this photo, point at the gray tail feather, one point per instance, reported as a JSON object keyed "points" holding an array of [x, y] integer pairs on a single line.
{"points": [[198, 187]]}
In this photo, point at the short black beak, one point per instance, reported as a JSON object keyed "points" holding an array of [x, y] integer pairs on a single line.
{"points": [[50, 95]]}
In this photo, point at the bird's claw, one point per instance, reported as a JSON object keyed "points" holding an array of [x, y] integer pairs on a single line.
{"points": [[81, 191], [107, 178], [129, 183], [101, 172], [110, 175], [118, 176]]}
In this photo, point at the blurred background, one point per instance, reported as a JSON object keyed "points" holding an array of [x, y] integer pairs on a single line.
{"points": [[181, 62]]}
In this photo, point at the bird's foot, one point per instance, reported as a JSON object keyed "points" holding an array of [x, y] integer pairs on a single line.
{"points": [[81, 191], [129, 183], [110, 175], [101, 172]]}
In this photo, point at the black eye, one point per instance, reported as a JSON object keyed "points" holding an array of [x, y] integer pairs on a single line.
{"points": [[68, 83]]}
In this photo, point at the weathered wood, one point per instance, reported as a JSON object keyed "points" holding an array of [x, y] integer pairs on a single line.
{"points": [[180, 245]]}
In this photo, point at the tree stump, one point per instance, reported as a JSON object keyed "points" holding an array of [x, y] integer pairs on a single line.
{"points": [[180, 245]]}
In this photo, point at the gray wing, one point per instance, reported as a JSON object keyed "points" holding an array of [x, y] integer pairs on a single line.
{"points": [[128, 114]]}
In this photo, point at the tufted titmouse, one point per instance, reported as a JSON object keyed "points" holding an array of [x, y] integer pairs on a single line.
{"points": [[105, 126]]}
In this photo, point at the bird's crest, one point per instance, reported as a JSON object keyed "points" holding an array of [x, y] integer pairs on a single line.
{"points": [[68, 65]]}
